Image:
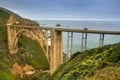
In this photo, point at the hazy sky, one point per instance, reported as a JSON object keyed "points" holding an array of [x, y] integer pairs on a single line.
{"points": [[64, 9]]}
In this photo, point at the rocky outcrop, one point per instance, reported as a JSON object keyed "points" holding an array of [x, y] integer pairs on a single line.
{"points": [[21, 71]]}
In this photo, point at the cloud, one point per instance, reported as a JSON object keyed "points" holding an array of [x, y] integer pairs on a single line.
{"points": [[64, 8]]}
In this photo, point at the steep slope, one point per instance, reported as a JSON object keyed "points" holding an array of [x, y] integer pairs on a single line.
{"points": [[18, 18], [10, 12], [95, 64], [29, 57]]}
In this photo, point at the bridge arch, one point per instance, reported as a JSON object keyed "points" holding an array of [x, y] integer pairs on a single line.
{"points": [[15, 34], [23, 32], [55, 53]]}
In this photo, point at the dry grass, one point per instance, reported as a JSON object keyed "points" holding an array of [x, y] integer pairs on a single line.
{"points": [[109, 73]]}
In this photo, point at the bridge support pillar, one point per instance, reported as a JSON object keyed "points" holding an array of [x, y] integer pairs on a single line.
{"points": [[56, 55], [101, 42], [84, 42], [12, 40], [69, 44]]}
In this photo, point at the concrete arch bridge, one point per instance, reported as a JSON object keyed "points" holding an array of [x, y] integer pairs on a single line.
{"points": [[54, 54]]}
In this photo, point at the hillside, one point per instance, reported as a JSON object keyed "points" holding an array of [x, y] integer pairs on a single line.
{"points": [[101, 63], [96, 64], [10, 12], [29, 57]]}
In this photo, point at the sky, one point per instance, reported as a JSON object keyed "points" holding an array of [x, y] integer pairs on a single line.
{"points": [[64, 9]]}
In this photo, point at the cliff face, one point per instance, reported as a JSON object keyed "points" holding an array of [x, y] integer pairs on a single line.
{"points": [[30, 58]]}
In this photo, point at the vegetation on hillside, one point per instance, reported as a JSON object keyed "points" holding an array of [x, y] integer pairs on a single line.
{"points": [[93, 64], [29, 47], [3, 31], [96, 64], [10, 12], [30, 53]]}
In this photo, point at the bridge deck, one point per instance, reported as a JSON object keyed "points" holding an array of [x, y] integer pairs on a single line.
{"points": [[70, 30]]}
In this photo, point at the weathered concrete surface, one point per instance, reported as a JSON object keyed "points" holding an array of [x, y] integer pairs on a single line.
{"points": [[55, 57]]}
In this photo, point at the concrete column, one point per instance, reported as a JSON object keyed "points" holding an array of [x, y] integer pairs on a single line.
{"points": [[85, 38], [15, 40], [12, 39], [101, 42], [71, 43], [68, 44], [84, 42], [47, 46], [56, 55]]}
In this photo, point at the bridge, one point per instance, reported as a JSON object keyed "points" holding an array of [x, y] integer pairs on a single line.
{"points": [[54, 50]]}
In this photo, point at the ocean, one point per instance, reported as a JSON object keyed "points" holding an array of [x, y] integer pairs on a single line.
{"points": [[93, 39]]}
